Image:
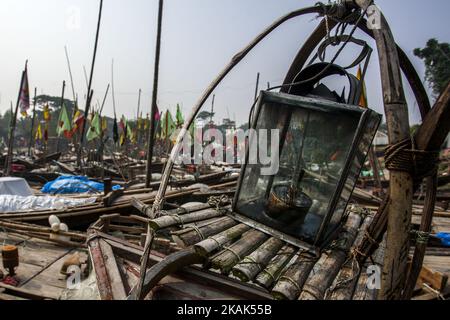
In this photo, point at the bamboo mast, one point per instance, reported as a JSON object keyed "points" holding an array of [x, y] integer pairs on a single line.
{"points": [[32, 123], [88, 101], [62, 104], [151, 141], [71, 77], [150, 232], [401, 183], [12, 128]]}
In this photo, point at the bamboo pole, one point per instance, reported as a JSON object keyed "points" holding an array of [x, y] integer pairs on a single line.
{"points": [[152, 129], [229, 257], [32, 123], [316, 286], [88, 101], [62, 105], [198, 232], [272, 272], [250, 266], [208, 246], [12, 129], [401, 183], [71, 77]]}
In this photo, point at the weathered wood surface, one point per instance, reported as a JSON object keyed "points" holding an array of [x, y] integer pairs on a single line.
{"points": [[291, 282], [234, 253], [276, 266], [39, 267], [208, 246], [320, 281], [192, 235], [250, 266], [175, 220], [346, 281]]}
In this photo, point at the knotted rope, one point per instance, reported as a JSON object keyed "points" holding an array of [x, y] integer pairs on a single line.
{"points": [[404, 157]]}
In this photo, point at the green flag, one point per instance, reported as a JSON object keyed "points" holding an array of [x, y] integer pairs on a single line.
{"points": [[168, 126], [179, 117], [95, 130], [64, 124]]}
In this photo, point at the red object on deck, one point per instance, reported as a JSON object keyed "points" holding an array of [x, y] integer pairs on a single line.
{"points": [[18, 168]]}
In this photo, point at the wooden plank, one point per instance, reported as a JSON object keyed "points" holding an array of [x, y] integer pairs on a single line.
{"points": [[435, 279], [112, 268]]}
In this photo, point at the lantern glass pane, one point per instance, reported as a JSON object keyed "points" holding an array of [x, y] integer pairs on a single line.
{"points": [[316, 146]]}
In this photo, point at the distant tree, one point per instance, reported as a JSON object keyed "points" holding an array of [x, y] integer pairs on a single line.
{"points": [[436, 57]]}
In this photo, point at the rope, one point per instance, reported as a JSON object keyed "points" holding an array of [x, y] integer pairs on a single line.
{"points": [[250, 260], [218, 202], [199, 232], [404, 157], [233, 252], [290, 280], [422, 237]]}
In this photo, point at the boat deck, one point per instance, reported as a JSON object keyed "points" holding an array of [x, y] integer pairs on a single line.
{"points": [[39, 268]]}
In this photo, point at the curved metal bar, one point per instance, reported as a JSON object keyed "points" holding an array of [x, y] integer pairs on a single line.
{"points": [[171, 264], [196, 109]]}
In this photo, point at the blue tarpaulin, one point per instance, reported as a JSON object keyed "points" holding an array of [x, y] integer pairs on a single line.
{"points": [[74, 185], [445, 238]]}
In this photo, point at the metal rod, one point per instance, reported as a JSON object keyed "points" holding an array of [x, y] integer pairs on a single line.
{"points": [[32, 123], [154, 97], [88, 101]]}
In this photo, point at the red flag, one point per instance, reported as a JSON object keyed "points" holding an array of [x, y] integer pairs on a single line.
{"points": [[24, 101]]}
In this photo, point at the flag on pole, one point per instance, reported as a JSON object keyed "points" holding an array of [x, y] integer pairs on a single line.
{"points": [[95, 130], [64, 124], [104, 124], [77, 122], [24, 101], [168, 126], [179, 117], [38, 136], [115, 131], [363, 99], [47, 114]]}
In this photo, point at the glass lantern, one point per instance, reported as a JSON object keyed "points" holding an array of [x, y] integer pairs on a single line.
{"points": [[322, 149]]}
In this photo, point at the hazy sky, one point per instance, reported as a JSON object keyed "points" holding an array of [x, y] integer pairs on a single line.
{"points": [[199, 38]]}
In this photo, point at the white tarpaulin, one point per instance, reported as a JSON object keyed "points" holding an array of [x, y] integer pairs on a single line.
{"points": [[11, 204], [15, 187]]}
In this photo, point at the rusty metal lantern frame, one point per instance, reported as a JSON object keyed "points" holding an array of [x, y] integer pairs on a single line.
{"points": [[366, 117]]}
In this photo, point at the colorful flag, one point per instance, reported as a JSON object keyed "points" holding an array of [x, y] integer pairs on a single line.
{"points": [[363, 99], [115, 131], [47, 114], [38, 136], [168, 126], [179, 117], [95, 130], [46, 132], [78, 121], [64, 124], [124, 127], [24, 100], [104, 124]]}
